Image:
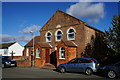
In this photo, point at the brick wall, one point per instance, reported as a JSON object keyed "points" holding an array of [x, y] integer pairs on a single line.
{"points": [[29, 51], [86, 38], [17, 57], [94, 45], [39, 62], [23, 63], [79, 37], [70, 53], [83, 35], [60, 18]]}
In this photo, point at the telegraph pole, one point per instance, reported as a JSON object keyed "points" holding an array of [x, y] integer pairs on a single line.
{"points": [[32, 49]]}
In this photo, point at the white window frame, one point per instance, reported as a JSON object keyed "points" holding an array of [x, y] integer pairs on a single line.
{"points": [[48, 36], [27, 51], [60, 57], [57, 35], [71, 33], [5, 51], [37, 53]]}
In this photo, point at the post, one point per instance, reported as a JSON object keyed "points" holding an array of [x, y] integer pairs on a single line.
{"points": [[33, 49], [12, 54]]}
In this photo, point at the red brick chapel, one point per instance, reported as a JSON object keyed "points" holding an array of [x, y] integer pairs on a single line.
{"points": [[63, 38]]}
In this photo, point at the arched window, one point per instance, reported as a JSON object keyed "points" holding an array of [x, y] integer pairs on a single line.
{"points": [[58, 35], [62, 53], [48, 36], [71, 34], [37, 53]]}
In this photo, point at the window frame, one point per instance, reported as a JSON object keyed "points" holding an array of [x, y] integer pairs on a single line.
{"points": [[27, 51], [5, 51], [37, 53], [56, 35], [46, 36], [68, 38], [60, 53]]}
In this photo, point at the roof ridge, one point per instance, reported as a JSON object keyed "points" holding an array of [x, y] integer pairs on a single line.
{"points": [[63, 13], [72, 17], [6, 45], [7, 42], [69, 44], [31, 41], [82, 21], [74, 43]]}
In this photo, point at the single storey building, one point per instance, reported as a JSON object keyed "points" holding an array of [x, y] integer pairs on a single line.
{"points": [[11, 49]]}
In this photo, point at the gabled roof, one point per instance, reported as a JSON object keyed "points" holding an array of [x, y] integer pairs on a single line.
{"points": [[6, 45], [59, 11], [94, 28], [69, 44], [44, 45], [80, 21], [30, 43], [37, 42]]}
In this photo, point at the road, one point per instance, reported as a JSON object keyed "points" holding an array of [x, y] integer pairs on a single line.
{"points": [[41, 73]]}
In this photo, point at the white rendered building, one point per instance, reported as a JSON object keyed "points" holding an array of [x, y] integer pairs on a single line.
{"points": [[7, 48]]}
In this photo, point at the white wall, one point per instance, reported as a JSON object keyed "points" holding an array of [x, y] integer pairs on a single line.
{"points": [[17, 49], [2, 51]]}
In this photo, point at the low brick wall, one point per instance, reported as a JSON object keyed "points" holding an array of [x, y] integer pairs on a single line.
{"points": [[39, 62], [17, 57], [23, 63]]}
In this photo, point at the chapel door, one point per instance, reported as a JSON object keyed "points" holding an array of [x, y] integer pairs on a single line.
{"points": [[47, 56]]}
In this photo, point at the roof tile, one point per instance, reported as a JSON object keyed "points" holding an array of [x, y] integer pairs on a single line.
{"points": [[69, 43], [30, 43], [6, 45], [44, 45]]}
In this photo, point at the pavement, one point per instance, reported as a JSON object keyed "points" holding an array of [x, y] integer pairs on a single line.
{"points": [[0, 67], [0, 73], [19, 72]]}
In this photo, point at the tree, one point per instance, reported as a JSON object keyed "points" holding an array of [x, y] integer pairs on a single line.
{"points": [[112, 36]]}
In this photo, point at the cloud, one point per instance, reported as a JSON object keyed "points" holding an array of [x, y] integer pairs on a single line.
{"points": [[20, 38], [9, 38], [87, 0], [98, 0], [32, 28], [93, 12]]}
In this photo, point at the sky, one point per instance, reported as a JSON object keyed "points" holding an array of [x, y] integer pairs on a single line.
{"points": [[20, 18]]}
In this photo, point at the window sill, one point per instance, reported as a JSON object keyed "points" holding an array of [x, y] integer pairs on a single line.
{"points": [[71, 39], [61, 58], [58, 40], [48, 41], [37, 57]]}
